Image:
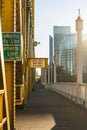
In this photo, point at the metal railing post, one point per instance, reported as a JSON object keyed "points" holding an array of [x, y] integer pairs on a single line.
{"points": [[77, 101]]}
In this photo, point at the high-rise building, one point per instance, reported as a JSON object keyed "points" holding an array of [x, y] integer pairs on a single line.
{"points": [[60, 33], [50, 69], [50, 50], [65, 44], [65, 53], [67, 50], [84, 60]]}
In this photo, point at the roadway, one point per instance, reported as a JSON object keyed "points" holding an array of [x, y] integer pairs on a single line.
{"points": [[47, 110]]}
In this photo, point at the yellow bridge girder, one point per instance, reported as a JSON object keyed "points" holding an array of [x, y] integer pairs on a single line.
{"points": [[8, 26], [23, 22]]}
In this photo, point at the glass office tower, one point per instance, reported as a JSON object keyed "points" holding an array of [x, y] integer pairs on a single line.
{"points": [[65, 53], [59, 34], [65, 44], [68, 54]]}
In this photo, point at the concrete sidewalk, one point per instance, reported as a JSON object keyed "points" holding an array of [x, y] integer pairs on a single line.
{"points": [[47, 110]]}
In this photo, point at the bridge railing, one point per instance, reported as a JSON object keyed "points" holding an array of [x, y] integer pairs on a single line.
{"points": [[2, 119], [19, 94], [73, 91]]}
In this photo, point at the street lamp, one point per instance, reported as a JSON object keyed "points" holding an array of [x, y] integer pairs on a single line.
{"points": [[35, 43]]}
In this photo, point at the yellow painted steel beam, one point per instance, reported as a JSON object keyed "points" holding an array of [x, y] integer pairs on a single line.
{"points": [[32, 13], [24, 44], [28, 38], [8, 26], [20, 95], [7, 15], [18, 2], [19, 64], [1, 109], [31, 71], [10, 90], [2, 123]]}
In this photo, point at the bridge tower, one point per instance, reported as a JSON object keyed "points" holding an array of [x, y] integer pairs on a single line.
{"points": [[79, 29]]}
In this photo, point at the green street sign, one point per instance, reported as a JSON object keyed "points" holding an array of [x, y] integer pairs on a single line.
{"points": [[11, 45]]}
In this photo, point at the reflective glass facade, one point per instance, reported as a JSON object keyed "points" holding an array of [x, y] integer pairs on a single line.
{"points": [[65, 53], [50, 50], [65, 44], [68, 54]]}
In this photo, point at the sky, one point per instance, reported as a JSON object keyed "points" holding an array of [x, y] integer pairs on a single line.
{"points": [[49, 13]]}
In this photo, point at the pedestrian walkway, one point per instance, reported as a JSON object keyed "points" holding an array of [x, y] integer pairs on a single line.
{"points": [[47, 110]]}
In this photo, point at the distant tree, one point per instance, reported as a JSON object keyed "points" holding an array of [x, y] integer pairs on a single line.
{"points": [[60, 73], [64, 76]]}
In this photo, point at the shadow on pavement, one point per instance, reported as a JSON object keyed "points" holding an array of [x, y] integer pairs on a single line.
{"points": [[63, 113]]}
